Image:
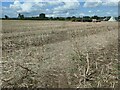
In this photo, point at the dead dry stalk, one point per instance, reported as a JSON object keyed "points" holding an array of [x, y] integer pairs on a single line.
{"points": [[26, 68], [84, 76], [88, 64]]}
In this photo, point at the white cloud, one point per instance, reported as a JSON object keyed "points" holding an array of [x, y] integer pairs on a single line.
{"points": [[26, 6], [68, 6], [16, 5], [67, 14], [89, 11], [55, 2], [8, 11], [59, 6], [82, 14], [98, 10], [110, 3], [91, 3], [54, 7], [95, 3], [50, 15], [108, 13]]}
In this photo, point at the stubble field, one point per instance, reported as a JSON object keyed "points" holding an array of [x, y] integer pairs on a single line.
{"points": [[59, 54]]}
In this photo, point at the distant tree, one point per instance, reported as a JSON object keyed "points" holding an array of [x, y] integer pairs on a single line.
{"points": [[6, 17], [68, 18], [20, 16], [51, 18], [78, 19], [118, 17], [73, 17], [61, 18], [42, 16], [86, 17], [57, 18], [95, 17]]}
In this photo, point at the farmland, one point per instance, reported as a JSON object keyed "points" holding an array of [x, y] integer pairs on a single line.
{"points": [[59, 54]]}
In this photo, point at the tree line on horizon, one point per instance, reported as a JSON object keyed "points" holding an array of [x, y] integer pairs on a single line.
{"points": [[72, 18]]}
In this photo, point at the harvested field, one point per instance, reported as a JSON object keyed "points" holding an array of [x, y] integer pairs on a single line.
{"points": [[59, 54]]}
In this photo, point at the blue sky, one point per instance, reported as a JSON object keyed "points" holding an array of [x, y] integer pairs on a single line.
{"points": [[61, 8]]}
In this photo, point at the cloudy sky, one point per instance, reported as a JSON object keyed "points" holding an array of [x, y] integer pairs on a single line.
{"points": [[61, 8]]}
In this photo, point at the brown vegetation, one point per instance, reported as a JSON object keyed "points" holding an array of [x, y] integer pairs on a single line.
{"points": [[59, 54]]}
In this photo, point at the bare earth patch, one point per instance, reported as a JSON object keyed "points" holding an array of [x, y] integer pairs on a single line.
{"points": [[59, 54]]}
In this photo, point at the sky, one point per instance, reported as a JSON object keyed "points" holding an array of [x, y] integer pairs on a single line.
{"points": [[59, 8]]}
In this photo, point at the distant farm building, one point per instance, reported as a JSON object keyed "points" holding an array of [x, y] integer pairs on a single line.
{"points": [[112, 19], [95, 20], [105, 19]]}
